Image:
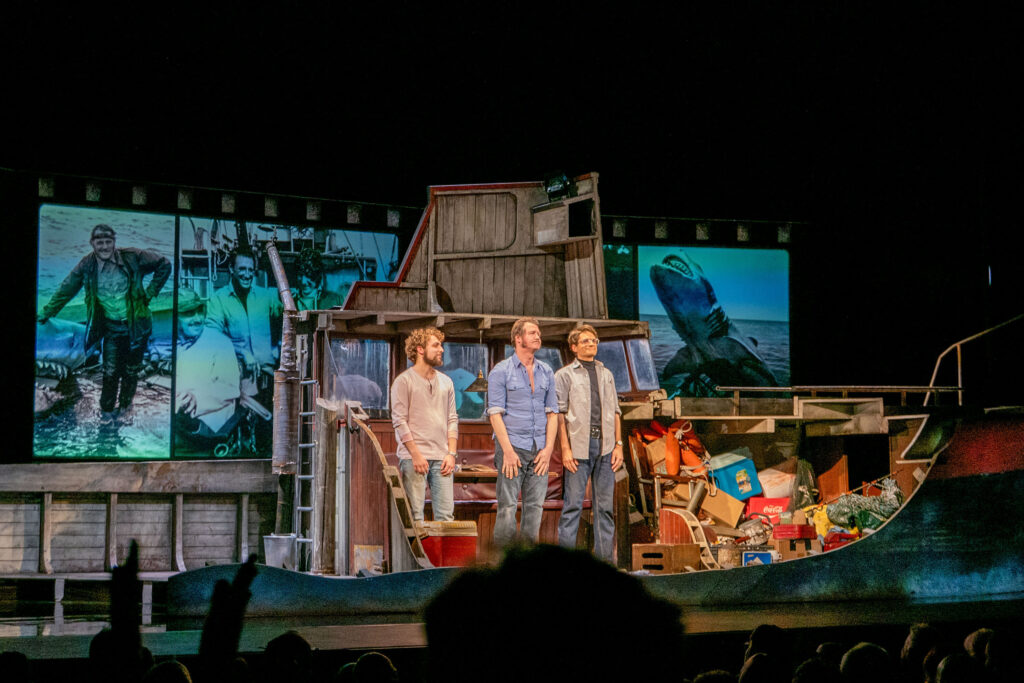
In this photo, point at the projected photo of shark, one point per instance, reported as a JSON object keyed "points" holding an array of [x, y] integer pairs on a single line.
{"points": [[696, 344]]}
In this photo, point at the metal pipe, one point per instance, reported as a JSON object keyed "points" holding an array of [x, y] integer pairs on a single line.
{"points": [[286, 399]]}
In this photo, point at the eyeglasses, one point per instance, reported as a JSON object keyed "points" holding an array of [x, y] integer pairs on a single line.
{"points": [[595, 342]]}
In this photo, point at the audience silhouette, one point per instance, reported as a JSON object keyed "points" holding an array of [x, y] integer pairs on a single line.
{"points": [[607, 624], [544, 613]]}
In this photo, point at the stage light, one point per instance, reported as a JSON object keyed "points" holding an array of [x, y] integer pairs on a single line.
{"points": [[139, 195], [393, 218], [92, 192], [742, 233], [557, 186], [703, 232], [619, 228], [227, 203], [46, 187], [661, 230]]}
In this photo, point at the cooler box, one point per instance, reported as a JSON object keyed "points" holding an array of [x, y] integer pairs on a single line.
{"points": [[450, 544], [735, 474], [772, 507]]}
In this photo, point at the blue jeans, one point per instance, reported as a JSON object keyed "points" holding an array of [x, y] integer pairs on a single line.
{"points": [[574, 486], [442, 490], [534, 489]]}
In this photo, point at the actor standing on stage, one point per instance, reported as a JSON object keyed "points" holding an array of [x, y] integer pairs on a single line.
{"points": [[427, 426], [591, 440], [522, 408]]}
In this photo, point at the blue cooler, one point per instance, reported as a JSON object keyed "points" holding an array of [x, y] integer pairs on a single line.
{"points": [[734, 473]]}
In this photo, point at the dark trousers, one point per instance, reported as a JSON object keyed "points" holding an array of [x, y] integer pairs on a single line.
{"points": [[122, 365]]}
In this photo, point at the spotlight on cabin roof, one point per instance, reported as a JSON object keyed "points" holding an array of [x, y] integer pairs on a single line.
{"points": [[557, 185]]}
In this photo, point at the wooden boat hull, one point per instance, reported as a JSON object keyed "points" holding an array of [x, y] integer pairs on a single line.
{"points": [[953, 541], [950, 542]]}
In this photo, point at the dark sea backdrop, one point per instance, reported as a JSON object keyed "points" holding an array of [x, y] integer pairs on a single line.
{"points": [[772, 343]]}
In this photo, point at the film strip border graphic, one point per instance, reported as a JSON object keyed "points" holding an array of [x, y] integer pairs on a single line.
{"points": [[400, 220], [228, 204], [710, 232]]}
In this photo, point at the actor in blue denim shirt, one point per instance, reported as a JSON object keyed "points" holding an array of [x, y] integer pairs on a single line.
{"points": [[522, 407]]}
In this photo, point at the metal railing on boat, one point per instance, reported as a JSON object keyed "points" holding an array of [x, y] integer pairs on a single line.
{"points": [[843, 390], [958, 347]]}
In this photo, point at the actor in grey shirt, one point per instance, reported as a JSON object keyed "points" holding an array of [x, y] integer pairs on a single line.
{"points": [[591, 441], [426, 425]]}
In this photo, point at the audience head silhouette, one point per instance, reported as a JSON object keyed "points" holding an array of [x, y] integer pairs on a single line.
{"points": [[494, 623]]}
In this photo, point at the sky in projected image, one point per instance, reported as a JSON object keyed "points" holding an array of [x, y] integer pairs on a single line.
{"points": [[718, 316], [751, 284]]}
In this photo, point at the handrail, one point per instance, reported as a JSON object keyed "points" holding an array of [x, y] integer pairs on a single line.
{"points": [[959, 357], [845, 390]]}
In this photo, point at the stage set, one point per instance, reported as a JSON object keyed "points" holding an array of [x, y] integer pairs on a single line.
{"points": [[827, 505]]}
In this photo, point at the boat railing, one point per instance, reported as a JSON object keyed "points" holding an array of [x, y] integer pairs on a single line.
{"points": [[843, 390], [958, 348]]}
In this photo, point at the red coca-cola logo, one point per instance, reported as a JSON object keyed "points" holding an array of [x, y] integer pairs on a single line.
{"points": [[773, 509]]}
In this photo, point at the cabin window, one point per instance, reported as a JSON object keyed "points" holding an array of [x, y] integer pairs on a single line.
{"points": [[642, 363], [358, 371], [613, 354], [462, 362], [549, 354]]}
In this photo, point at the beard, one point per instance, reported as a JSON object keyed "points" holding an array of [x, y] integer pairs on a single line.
{"points": [[434, 362]]}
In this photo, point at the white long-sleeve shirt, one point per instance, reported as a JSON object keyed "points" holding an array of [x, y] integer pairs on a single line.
{"points": [[425, 411]]}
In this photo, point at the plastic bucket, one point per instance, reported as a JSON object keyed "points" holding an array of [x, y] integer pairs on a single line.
{"points": [[280, 550]]}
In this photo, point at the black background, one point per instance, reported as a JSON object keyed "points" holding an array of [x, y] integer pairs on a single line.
{"points": [[891, 131]]}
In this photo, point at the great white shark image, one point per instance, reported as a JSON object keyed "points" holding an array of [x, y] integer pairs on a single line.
{"points": [[60, 351], [715, 351]]}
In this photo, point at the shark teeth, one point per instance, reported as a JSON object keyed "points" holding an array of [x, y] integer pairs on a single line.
{"points": [[677, 264]]}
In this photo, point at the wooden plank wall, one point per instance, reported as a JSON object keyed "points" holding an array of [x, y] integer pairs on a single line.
{"points": [[78, 540], [476, 222], [479, 253], [19, 536], [81, 517], [368, 493], [400, 298], [148, 522], [508, 285], [584, 280]]}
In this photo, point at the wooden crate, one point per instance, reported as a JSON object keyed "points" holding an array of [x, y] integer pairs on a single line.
{"points": [[665, 558]]}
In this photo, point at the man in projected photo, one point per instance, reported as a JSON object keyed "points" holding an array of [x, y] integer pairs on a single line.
{"points": [[243, 310], [207, 377], [426, 425], [311, 279], [591, 440], [522, 407], [117, 310]]}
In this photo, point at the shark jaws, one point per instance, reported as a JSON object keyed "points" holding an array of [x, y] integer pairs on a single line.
{"points": [[60, 351], [715, 352]]}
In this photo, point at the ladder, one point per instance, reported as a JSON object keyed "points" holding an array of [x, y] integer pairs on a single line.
{"points": [[305, 497]]}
